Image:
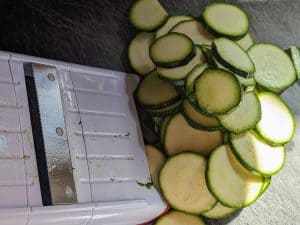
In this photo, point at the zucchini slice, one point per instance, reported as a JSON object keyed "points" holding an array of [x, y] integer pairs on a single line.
{"points": [[182, 182], [195, 31], [219, 211], [155, 161], [274, 69], [154, 93], [227, 20], [138, 53], [197, 119], [179, 218], [172, 50], [217, 91], [294, 53], [246, 42], [170, 23], [231, 184], [166, 111], [277, 124], [179, 73], [179, 136], [147, 15], [245, 116], [256, 155], [190, 79], [232, 56]]}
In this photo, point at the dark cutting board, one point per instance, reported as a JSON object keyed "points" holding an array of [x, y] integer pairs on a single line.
{"points": [[96, 33]]}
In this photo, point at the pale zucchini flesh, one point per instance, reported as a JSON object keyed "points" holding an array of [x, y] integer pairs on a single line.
{"points": [[182, 182], [274, 69], [154, 93], [172, 50], [147, 15], [230, 183], [232, 56], [179, 218], [179, 136], [219, 211], [170, 23], [180, 73], [257, 155], [224, 19], [197, 119], [156, 159], [217, 91], [191, 77], [245, 42], [138, 53], [277, 124], [245, 116], [194, 30]]}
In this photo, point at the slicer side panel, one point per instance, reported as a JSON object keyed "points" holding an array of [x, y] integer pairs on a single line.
{"points": [[13, 191]]}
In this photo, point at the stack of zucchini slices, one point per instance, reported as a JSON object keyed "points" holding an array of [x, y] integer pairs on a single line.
{"points": [[214, 96]]}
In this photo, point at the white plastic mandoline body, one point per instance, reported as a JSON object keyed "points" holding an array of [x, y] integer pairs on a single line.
{"points": [[105, 142]]}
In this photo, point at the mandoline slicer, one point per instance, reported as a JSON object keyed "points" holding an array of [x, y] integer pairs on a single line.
{"points": [[71, 148]]}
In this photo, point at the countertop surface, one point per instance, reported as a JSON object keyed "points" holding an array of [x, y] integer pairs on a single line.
{"points": [[97, 33]]}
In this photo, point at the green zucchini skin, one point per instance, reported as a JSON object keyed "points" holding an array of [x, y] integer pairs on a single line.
{"points": [[163, 113], [179, 63]]}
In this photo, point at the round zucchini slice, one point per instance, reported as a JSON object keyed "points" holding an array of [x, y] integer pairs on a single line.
{"points": [[232, 56], [147, 15], [231, 184], [172, 50], [154, 93], [277, 124], [138, 53], [274, 69], [227, 20], [182, 182], [179, 218], [256, 155], [217, 91], [179, 136]]}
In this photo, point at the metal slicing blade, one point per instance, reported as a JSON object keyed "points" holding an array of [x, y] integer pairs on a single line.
{"points": [[53, 155]]}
